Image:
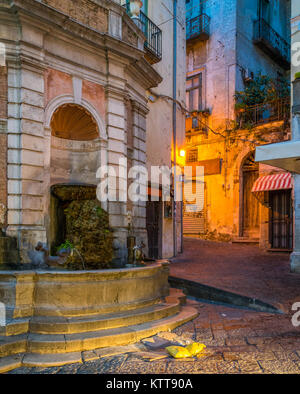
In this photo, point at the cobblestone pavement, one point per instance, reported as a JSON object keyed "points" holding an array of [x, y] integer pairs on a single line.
{"points": [[240, 268], [237, 340]]}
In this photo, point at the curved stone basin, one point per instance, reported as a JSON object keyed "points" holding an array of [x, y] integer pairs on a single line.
{"points": [[80, 293]]}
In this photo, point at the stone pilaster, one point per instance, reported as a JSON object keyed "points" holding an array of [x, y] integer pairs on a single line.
{"points": [[139, 113], [25, 157], [116, 154]]}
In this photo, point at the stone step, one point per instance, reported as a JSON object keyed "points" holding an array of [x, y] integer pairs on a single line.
{"points": [[15, 327], [10, 362], [176, 294], [74, 325], [13, 345], [245, 240], [69, 343]]}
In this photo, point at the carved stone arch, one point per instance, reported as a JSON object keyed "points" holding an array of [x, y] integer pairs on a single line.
{"points": [[64, 100]]}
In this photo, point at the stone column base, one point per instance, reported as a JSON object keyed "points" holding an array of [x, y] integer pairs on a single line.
{"points": [[295, 262]]}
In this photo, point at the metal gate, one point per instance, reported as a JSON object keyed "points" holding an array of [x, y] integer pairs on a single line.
{"points": [[281, 220]]}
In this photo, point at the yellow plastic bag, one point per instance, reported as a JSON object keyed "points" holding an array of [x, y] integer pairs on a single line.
{"points": [[195, 348], [178, 351]]}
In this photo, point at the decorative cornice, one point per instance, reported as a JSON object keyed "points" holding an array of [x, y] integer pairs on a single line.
{"points": [[138, 107]]}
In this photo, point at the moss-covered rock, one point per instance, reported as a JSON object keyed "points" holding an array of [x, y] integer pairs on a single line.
{"points": [[87, 229]]}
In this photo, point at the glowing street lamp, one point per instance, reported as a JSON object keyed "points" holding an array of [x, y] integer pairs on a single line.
{"points": [[182, 153]]}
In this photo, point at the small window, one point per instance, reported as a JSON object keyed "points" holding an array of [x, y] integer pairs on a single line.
{"points": [[194, 93], [192, 156]]}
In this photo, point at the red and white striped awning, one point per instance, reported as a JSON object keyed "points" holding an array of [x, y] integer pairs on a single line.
{"points": [[280, 181]]}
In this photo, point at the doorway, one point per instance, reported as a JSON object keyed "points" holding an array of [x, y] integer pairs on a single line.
{"points": [[281, 220], [154, 229], [250, 211]]}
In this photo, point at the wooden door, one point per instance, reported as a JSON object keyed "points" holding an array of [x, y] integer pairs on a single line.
{"points": [[251, 216], [154, 229]]}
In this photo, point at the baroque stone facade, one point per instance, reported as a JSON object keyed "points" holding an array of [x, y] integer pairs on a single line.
{"points": [[59, 55]]}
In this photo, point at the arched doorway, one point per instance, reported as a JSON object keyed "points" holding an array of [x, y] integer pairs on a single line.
{"points": [[250, 208]]}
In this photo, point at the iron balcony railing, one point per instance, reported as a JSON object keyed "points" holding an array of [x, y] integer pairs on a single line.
{"points": [[153, 34], [272, 43], [198, 27], [264, 113]]}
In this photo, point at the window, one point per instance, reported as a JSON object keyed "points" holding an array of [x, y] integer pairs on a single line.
{"points": [[192, 156], [194, 93]]}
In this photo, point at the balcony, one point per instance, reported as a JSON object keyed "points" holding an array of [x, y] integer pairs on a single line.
{"points": [[277, 110], [153, 34], [198, 28], [269, 41]]}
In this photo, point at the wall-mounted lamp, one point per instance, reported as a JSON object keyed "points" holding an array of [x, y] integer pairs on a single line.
{"points": [[182, 153]]}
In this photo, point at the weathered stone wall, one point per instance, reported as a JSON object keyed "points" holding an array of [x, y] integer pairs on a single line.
{"points": [[223, 59], [87, 12], [160, 118], [27, 294]]}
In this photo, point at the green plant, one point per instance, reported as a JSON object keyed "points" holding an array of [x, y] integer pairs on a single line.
{"points": [[260, 90], [66, 245], [297, 75]]}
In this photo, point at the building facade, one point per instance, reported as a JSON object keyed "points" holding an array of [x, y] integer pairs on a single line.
{"points": [[286, 155], [231, 47], [166, 126], [73, 77]]}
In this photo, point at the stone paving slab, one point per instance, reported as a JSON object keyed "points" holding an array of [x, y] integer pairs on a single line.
{"points": [[238, 340], [236, 353]]}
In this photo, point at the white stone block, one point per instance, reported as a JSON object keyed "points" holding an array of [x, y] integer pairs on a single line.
{"points": [[32, 158], [34, 218], [30, 127], [14, 187], [32, 113], [32, 98], [14, 77], [116, 134], [14, 171], [13, 111], [116, 121], [32, 188], [33, 203], [113, 157], [14, 96], [14, 141], [13, 125], [31, 142], [14, 156], [35, 173], [14, 217], [115, 106], [14, 202], [116, 146], [33, 81]]}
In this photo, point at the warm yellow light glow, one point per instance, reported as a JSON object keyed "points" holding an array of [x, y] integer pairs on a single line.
{"points": [[182, 153]]}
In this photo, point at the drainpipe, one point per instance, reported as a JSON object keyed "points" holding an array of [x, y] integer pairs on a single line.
{"points": [[174, 123]]}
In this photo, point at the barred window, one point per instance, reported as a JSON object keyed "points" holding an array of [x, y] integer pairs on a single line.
{"points": [[192, 156]]}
